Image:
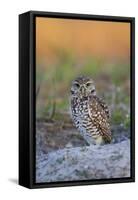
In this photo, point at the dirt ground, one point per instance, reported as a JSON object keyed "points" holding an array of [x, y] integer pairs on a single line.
{"points": [[55, 135]]}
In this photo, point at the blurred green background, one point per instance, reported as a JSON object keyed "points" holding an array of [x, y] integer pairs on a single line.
{"points": [[66, 49]]}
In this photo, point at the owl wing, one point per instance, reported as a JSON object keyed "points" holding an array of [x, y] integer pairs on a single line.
{"points": [[103, 105], [99, 114]]}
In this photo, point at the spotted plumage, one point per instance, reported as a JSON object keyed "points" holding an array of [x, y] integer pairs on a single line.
{"points": [[90, 113]]}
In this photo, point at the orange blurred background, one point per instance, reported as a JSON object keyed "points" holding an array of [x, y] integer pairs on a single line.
{"points": [[67, 48], [98, 39]]}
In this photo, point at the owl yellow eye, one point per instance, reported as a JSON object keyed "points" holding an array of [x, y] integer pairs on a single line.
{"points": [[76, 85], [88, 84]]}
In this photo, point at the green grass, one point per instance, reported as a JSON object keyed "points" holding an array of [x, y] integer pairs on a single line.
{"points": [[55, 85]]}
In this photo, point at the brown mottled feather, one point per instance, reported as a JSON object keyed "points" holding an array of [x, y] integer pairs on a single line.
{"points": [[103, 105], [99, 114]]}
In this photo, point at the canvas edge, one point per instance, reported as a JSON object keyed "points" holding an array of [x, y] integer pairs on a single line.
{"points": [[24, 101], [31, 182]]}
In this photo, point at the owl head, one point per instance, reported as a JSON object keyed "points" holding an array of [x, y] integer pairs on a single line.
{"points": [[83, 86]]}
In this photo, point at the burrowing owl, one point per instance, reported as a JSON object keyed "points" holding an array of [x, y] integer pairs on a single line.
{"points": [[90, 114]]}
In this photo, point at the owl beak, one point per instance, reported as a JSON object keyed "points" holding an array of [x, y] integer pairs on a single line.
{"points": [[83, 91]]}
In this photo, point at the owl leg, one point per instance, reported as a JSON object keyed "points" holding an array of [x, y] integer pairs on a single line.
{"points": [[99, 140], [95, 139], [89, 139]]}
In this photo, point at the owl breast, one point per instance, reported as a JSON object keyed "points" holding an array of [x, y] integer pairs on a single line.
{"points": [[81, 116], [80, 113]]}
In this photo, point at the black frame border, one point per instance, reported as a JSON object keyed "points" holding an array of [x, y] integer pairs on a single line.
{"points": [[27, 103]]}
